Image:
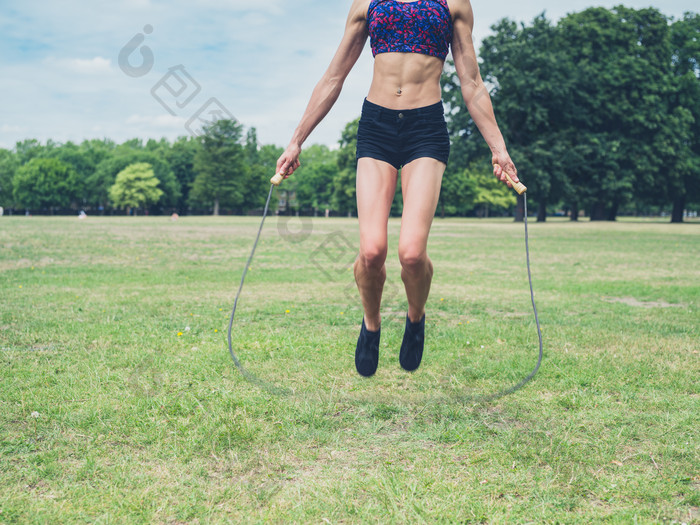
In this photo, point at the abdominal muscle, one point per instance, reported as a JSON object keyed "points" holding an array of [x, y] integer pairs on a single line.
{"points": [[405, 80]]}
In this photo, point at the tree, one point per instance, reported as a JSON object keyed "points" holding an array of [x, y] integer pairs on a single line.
{"points": [[104, 177], [8, 167], [314, 179], [589, 108], [261, 162], [130, 146], [262, 172], [220, 166], [136, 186], [29, 149], [159, 147], [490, 194], [84, 159], [457, 194], [343, 193], [683, 129], [618, 104], [44, 184], [180, 157]]}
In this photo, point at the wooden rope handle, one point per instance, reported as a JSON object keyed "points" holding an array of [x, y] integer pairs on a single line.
{"points": [[517, 186], [277, 179]]}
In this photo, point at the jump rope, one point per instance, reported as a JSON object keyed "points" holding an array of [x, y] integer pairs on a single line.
{"points": [[277, 390]]}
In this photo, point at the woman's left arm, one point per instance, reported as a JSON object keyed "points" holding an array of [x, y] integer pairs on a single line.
{"points": [[474, 92]]}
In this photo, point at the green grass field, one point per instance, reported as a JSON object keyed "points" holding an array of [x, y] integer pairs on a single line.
{"points": [[119, 402]]}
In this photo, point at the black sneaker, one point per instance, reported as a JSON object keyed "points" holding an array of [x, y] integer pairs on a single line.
{"points": [[412, 344], [367, 351]]}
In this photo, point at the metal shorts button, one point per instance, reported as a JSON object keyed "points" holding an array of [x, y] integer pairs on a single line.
{"points": [[400, 115]]}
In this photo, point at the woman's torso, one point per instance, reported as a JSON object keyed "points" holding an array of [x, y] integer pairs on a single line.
{"points": [[409, 40]]}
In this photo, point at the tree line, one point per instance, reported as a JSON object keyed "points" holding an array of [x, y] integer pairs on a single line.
{"points": [[225, 166], [600, 111]]}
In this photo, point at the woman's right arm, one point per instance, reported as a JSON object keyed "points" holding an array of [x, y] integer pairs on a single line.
{"points": [[328, 89]]}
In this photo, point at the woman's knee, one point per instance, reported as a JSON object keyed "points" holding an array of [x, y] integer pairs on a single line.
{"points": [[413, 257], [373, 256]]}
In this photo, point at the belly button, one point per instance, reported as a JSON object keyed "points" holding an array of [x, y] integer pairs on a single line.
{"points": [[398, 92]]}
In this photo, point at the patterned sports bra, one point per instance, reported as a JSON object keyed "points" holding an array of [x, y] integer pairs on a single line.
{"points": [[421, 26]]}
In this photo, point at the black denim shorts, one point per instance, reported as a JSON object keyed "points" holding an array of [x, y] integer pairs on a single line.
{"points": [[401, 136]]}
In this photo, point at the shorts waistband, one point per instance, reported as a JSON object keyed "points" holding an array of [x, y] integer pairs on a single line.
{"points": [[374, 110]]}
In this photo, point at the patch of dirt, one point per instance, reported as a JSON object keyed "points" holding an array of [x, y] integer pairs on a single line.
{"points": [[631, 301]]}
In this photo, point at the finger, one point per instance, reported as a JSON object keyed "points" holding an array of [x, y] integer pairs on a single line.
{"points": [[293, 166], [283, 169], [512, 172]]}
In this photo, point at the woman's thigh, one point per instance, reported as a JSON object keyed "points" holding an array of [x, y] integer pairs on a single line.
{"points": [[375, 188], [420, 184]]}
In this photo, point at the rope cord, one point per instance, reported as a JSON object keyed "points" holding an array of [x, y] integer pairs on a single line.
{"points": [[515, 388], [277, 390], [265, 385]]}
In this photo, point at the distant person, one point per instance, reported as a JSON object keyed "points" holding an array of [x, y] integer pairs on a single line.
{"points": [[402, 128]]}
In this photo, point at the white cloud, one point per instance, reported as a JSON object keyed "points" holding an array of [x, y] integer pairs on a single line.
{"points": [[268, 6], [90, 66], [157, 121], [137, 4], [7, 128]]}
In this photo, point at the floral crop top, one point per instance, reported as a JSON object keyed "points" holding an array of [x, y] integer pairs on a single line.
{"points": [[420, 26]]}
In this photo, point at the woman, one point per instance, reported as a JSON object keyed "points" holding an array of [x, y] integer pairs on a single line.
{"points": [[402, 127]]}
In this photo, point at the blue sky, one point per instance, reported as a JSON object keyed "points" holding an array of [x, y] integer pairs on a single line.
{"points": [[257, 60]]}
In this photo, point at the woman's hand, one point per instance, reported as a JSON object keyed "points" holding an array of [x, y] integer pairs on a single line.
{"points": [[502, 164], [289, 160]]}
